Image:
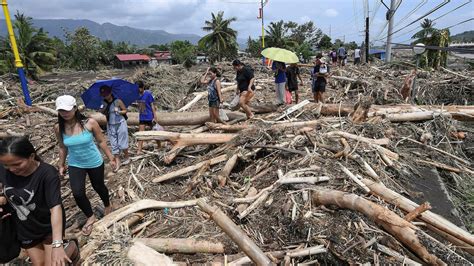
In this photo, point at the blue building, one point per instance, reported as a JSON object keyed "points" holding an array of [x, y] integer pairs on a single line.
{"points": [[380, 54]]}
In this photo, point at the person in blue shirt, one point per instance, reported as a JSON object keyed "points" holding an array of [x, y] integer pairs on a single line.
{"points": [[147, 111], [341, 55], [279, 69], [77, 137]]}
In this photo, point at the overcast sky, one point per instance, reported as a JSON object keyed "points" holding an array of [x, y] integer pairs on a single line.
{"points": [[339, 18]]}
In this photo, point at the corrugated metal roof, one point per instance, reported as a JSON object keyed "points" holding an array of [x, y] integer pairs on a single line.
{"points": [[132, 57], [163, 55]]}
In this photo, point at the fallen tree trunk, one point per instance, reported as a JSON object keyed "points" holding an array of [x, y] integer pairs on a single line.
{"points": [[235, 233], [140, 254], [186, 246], [428, 217], [458, 112], [277, 126], [402, 230], [121, 213], [182, 140], [188, 169]]}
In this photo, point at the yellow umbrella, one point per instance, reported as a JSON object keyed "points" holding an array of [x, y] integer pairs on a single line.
{"points": [[279, 54]]}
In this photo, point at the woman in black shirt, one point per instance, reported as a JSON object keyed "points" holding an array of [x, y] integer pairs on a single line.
{"points": [[32, 189], [245, 87]]}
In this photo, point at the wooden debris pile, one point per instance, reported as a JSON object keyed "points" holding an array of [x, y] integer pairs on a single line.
{"points": [[343, 182]]}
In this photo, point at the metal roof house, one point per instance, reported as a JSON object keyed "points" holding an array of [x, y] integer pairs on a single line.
{"points": [[130, 60]]}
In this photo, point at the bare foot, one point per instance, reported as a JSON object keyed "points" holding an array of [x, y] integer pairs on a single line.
{"points": [[87, 228], [108, 209]]}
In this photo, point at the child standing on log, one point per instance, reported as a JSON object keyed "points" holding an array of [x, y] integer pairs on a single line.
{"points": [[214, 93], [147, 112], [76, 136]]}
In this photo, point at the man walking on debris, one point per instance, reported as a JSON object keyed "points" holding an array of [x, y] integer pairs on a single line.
{"points": [[292, 76], [279, 69], [357, 56], [341, 54], [245, 87], [321, 74], [147, 112]]}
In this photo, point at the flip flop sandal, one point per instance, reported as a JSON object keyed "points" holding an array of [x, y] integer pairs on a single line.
{"points": [[87, 229]]}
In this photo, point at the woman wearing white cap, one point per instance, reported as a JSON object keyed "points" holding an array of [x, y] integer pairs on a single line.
{"points": [[76, 135], [321, 75]]}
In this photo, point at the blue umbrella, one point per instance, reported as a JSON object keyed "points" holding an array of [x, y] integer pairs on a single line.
{"points": [[121, 89]]}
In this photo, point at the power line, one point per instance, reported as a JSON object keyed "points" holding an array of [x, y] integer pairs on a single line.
{"points": [[416, 20], [386, 22], [422, 3], [445, 14]]}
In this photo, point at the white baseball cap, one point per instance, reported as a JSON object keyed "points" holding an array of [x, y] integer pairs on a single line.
{"points": [[65, 102]]}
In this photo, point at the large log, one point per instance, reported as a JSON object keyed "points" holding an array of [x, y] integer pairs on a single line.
{"points": [[178, 245], [182, 140], [189, 169], [276, 126], [142, 255], [458, 112], [429, 217], [236, 234], [402, 230], [171, 119]]}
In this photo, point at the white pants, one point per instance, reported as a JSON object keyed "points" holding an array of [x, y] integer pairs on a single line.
{"points": [[280, 92]]}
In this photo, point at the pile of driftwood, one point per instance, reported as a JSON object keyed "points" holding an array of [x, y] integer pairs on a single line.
{"points": [[308, 183]]}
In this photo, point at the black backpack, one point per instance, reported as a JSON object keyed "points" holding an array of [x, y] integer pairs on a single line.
{"points": [[9, 244]]}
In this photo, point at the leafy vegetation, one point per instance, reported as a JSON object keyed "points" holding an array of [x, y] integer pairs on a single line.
{"points": [[221, 42], [431, 36], [183, 53]]}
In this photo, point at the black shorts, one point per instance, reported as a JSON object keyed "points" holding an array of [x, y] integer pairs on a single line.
{"points": [[340, 58], [214, 104], [46, 240], [319, 86], [146, 123]]}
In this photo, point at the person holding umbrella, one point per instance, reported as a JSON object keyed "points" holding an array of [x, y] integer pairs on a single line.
{"points": [[76, 137], [279, 69], [116, 114]]}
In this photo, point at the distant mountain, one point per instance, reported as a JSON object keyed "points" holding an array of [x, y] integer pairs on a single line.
{"points": [[108, 31], [467, 36]]}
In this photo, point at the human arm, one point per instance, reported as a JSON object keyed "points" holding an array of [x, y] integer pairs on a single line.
{"points": [[153, 109], [203, 77], [121, 106], [62, 151], [219, 91], [58, 255], [101, 140]]}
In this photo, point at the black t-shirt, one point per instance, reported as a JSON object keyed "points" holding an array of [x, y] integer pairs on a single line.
{"points": [[317, 70], [292, 76], [31, 198], [243, 78]]}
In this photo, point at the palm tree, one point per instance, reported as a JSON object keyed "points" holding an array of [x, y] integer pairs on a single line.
{"points": [[431, 36], [34, 46], [221, 39], [277, 36]]}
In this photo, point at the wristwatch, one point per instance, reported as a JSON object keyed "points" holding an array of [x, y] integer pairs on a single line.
{"points": [[57, 243]]}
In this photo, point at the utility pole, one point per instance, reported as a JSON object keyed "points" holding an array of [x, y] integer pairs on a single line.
{"points": [[263, 25], [367, 39], [18, 64], [388, 46]]}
